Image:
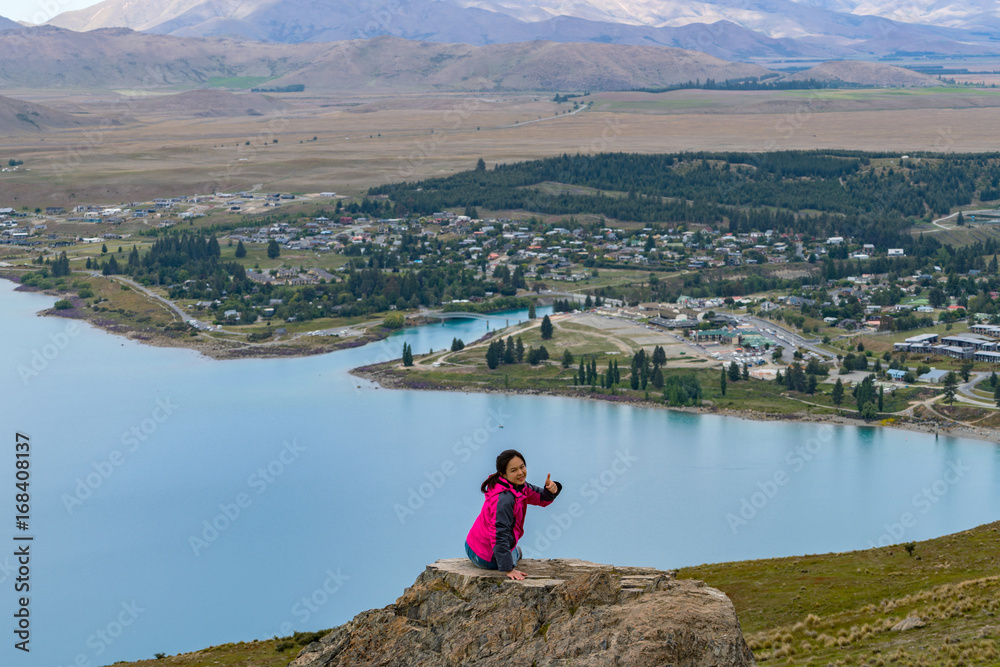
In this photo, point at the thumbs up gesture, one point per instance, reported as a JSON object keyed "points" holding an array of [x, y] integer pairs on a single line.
{"points": [[550, 486]]}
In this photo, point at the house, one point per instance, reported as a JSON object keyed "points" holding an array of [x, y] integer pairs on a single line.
{"points": [[934, 375], [896, 374], [970, 340], [896, 252], [720, 335]]}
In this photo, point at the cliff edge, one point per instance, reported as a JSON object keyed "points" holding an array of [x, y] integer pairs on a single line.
{"points": [[566, 612]]}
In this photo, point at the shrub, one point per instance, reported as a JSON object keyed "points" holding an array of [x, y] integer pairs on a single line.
{"points": [[394, 320], [63, 304]]}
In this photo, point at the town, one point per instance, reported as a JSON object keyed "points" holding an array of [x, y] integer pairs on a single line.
{"points": [[268, 273]]}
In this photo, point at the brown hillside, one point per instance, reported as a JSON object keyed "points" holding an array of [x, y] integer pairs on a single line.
{"points": [[114, 58], [864, 73], [210, 104], [18, 118], [392, 63]]}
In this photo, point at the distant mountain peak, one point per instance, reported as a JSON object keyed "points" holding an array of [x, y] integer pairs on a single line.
{"points": [[7, 24], [748, 29]]}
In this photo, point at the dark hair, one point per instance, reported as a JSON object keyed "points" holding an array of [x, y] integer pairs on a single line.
{"points": [[502, 461]]}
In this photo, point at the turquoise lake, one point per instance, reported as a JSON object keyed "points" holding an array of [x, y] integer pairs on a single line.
{"points": [[179, 502]]}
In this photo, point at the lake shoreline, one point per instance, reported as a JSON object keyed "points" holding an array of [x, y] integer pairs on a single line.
{"points": [[211, 347], [388, 377]]}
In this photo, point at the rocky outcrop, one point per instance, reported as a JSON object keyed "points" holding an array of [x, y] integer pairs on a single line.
{"points": [[564, 612]]}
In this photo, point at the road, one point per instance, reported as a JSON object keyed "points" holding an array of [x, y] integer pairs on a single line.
{"points": [[964, 214], [353, 330], [786, 337], [965, 395]]}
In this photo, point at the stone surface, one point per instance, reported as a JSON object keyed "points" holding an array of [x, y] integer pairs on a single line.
{"points": [[565, 612], [909, 623]]}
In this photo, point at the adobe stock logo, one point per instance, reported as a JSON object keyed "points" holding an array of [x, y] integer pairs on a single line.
{"points": [[436, 477], [41, 357]]}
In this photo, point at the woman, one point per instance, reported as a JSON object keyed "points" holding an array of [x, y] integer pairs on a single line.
{"points": [[492, 542]]}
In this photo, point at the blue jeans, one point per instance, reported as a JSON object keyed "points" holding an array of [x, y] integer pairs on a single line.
{"points": [[491, 564]]}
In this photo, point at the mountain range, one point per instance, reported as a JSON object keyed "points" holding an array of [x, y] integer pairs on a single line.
{"points": [[732, 29], [119, 58]]}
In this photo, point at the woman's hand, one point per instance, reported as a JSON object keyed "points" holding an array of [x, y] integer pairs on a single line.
{"points": [[516, 575], [551, 486]]}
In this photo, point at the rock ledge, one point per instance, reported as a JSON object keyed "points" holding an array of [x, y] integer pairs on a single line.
{"points": [[566, 612]]}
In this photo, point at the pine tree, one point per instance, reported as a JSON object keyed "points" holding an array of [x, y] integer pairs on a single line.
{"points": [[493, 354], [838, 393], [519, 350], [407, 355], [581, 373], [508, 353], [734, 372], [546, 328], [950, 387], [60, 267], [273, 250], [531, 310], [567, 359], [111, 267], [241, 250], [722, 382]]}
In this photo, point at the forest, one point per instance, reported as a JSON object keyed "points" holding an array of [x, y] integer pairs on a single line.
{"points": [[872, 197]]}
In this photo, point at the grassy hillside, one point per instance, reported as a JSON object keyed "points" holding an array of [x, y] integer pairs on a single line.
{"points": [[839, 609]]}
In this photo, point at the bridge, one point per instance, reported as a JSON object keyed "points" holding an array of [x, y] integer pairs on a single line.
{"points": [[459, 315]]}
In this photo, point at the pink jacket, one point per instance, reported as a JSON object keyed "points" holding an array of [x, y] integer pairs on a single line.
{"points": [[500, 523]]}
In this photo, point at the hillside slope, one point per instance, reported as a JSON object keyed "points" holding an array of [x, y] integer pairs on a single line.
{"points": [[18, 118], [862, 73], [209, 103], [48, 57]]}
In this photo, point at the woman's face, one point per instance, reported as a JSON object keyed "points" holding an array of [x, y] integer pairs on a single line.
{"points": [[516, 471]]}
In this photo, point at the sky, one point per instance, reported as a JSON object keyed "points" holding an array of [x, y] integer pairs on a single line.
{"points": [[40, 11]]}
